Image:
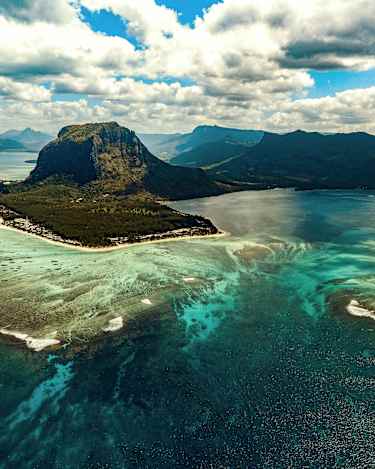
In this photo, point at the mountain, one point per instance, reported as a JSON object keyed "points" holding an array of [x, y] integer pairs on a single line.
{"points": [[206, 133], [168, 146], [112, 159], [98, 185], [159, 145], [208, 154], [30, 139], [305, 160], [7, 144]]}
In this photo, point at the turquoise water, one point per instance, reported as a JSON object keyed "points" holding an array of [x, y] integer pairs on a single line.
{"points": [[253, 364], [13, 166]]}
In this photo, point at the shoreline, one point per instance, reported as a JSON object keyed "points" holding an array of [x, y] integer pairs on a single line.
{"points": [[32, 343], [104, 249]]}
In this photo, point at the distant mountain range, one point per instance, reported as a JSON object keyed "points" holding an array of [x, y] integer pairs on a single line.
{"points": [[98, 184], [169, 146], [23, 140], [263, 159], [208, 161], [300, 159], [6, 144]]}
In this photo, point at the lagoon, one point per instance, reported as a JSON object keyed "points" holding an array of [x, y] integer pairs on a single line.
{"points": [[243, 356], [13, 166]]}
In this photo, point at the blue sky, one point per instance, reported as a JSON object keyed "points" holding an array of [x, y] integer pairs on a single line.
{"points": [[327, 83], [106, 22], [188, 9], [152, 66]]}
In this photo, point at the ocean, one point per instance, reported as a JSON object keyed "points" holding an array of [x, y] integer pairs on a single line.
{"points": [[13, 166], [247, 357]]}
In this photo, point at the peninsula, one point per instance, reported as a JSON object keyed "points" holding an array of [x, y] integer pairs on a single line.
{"points": [[97, 185]]}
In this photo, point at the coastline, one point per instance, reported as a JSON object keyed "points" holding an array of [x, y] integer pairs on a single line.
{"points": [[104, 249]]}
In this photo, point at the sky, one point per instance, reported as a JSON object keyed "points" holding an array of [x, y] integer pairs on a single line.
{"points": [[170, 65]]}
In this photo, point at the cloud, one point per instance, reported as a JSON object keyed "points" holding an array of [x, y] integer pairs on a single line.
{"points": [[62, 11], [50, 116], [346, 111], [148, 22], [45, 50], [129, 90], [23, 91], [318, 34], [241, 63]]}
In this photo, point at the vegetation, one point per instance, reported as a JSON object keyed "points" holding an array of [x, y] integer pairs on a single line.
{"points": [[112, 159], [92, 218], [97, 184], [169, 146], [208, 154], [305, 161]]}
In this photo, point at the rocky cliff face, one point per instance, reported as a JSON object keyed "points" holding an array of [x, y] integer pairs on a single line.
{"points": [[113, 159]]}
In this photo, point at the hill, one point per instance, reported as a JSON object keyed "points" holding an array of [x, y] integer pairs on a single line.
{"points": [[208, 154], [112, 159], [30, 139], [169, 146], [159, 145], [305, 160], [7, 144]]}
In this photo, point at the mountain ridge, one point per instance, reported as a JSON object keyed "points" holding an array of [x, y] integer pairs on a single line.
{"points": [[169, 146], [210, 153], [113, 159], [32, 140], [305, 160], [7, 144]]}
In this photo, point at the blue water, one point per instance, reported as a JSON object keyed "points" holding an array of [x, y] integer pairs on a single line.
{"points": [[257, 365], [13, 166]]}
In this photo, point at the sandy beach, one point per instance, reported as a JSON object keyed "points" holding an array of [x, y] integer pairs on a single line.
{"points": [[32, 343], [117, 247]]}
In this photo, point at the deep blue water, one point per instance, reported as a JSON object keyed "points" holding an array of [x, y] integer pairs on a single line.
{"points": [[262, 367]]}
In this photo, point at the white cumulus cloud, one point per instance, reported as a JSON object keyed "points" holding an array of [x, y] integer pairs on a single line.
{"points": [[241, 63]]}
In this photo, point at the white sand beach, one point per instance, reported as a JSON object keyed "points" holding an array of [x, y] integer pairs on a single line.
{"points": [[117, 247], [35, 344]]}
